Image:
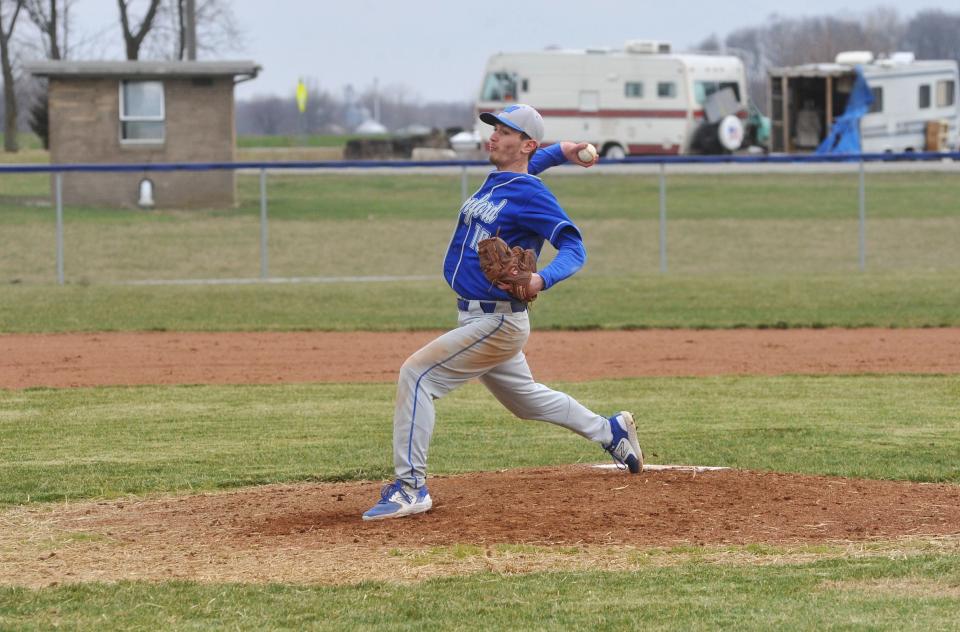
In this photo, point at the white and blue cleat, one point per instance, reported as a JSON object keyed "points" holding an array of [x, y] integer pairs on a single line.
{"points": [[624, 448], [398, 499]]}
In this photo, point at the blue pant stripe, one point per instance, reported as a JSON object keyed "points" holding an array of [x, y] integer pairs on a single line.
{"points": [[416, 389]]}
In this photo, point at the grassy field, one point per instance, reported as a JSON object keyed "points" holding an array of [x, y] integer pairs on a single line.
{"points": [[26, 142], [735, 225], [769, 251], [31, 148], [308, 140], [107, 442], [904, 300], [911, 592], [595, 195], [58, 445]]}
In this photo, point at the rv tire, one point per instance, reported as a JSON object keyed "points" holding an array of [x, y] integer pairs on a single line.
{"points": [[613, 151]]}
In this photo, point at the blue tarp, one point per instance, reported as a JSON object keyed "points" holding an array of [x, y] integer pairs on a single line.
{"points": [[844, 136]]}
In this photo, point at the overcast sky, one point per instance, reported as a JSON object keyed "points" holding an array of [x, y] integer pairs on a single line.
{"points": [[437, 49]]}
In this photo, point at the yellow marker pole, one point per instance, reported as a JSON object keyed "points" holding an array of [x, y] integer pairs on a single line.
{"points": [[301, 96], [302, 106]]}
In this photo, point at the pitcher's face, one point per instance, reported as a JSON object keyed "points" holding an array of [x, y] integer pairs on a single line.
{"points": [[508, 147]]}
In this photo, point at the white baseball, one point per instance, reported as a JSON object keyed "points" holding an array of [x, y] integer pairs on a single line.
{"points": [[588, 153]]}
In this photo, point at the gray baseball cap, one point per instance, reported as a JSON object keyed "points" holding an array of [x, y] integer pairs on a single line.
{"points": [[520, 117]]}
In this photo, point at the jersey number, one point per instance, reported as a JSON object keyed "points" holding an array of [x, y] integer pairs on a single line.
{"points": [[479, 234]]}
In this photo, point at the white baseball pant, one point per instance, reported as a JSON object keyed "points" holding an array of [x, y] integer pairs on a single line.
{"points": [[488, 346]]}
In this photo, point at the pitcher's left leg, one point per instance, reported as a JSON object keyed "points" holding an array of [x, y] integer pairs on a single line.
{"points": [[512, 384]]}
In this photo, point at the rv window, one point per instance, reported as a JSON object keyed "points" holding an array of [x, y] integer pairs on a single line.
{"points": [[877, 105], [525, 85], [499, 86], [924, 96], [703, 89], [946, 93], [633, 89], [666, 89]]}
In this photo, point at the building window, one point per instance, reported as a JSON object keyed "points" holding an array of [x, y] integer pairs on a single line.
{"points": [[633, 89], [142, 111], [924, 96], [946, 93], [877, 105], [666, 89]]}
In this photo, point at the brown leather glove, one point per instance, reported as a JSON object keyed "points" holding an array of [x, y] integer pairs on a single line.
{"points": [[503, 265]]}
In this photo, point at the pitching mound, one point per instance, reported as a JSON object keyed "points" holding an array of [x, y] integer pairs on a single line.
{"points": [[313, 532]]}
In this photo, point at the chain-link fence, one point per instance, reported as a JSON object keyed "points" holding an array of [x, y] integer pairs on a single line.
{"points": [[358, 221]]}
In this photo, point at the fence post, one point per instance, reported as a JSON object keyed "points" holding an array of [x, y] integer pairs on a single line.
{"points": [[58, 192], [863, 221], [663, 217], [264, 262]]}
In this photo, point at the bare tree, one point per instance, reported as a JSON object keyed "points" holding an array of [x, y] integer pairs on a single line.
{"points": [[884, 29], [133, 40], [932, 34], [216, 29], [52, 19], [788, 42], [266, 115], [750, 45], [710, 45], [12, 10]]}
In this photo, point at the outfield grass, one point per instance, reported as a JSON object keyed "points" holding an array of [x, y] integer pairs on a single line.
{"points": [[106, 442], [597, 195], [304, 140], [324, 225], [856, 300], [894, 593]]}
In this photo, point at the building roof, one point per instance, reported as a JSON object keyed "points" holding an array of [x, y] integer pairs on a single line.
{"points": [[153, 69]]}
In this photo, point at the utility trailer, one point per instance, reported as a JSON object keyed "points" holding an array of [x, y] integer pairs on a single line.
{"points": [[915, 103]]}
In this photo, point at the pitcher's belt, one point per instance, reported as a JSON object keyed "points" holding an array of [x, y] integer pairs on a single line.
{"points": [[491, 307]]}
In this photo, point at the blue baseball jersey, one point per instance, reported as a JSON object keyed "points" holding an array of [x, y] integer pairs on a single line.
{"points": [[521, 208]]}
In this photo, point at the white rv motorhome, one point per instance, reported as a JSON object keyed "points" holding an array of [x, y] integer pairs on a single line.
{"points": [[639, 100], [915, 107]]}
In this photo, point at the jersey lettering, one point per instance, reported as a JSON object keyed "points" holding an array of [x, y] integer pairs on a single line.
{"points": [[482, 208]]}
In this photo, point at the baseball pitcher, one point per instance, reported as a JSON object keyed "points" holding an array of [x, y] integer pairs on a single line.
{"points": [[491, 266]]}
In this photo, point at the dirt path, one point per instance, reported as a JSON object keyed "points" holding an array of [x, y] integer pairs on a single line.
{"points": [[68, 360]]}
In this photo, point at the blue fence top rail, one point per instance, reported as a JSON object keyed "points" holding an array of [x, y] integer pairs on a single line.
{"points": [[405, 164]]}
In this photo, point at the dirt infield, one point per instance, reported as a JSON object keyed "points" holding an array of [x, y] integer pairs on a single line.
{"points": [[69, 360], [573, 517]]}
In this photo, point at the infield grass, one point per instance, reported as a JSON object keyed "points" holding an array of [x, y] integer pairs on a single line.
{"points": [[892, 593], [107, 442]]}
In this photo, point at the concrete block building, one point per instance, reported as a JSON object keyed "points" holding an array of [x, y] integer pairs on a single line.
{"points": [[144, 112]]}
